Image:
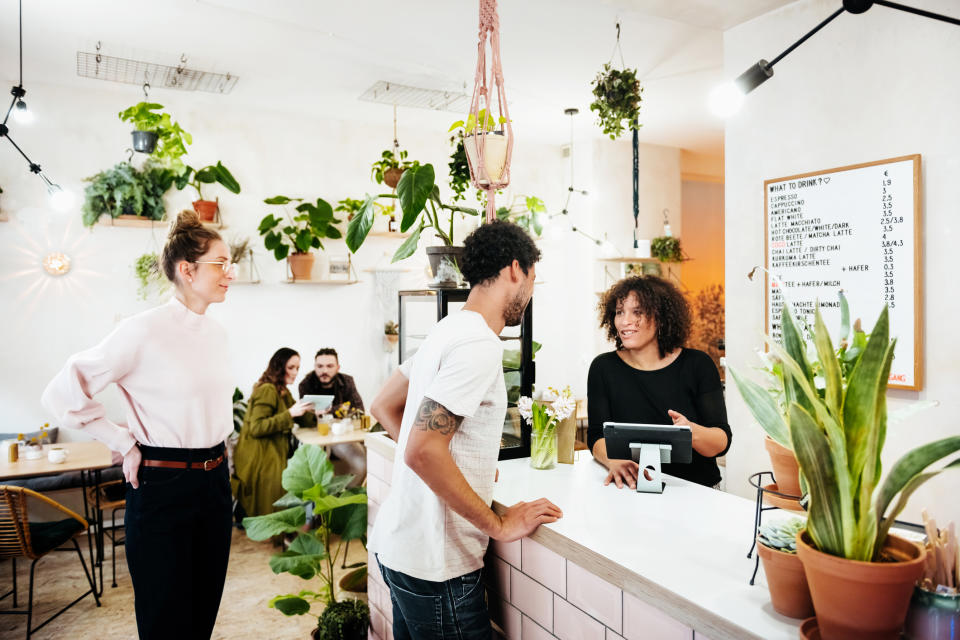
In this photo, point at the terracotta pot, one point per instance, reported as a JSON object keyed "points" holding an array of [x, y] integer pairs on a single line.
{"points": [[786, 471], [392, 176], [392, 337], [301, 264], [207, 209], [789, 593], [858, 600]]}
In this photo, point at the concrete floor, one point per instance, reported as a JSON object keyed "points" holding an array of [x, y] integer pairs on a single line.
{"points": [[243, 609]]}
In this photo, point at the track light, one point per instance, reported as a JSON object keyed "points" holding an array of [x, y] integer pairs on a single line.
{"points": [[21, 114], [726, 99]]}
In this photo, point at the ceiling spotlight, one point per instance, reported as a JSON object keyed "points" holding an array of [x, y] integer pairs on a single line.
{"points": [[60, 199], [56, 263], [21, 114]]}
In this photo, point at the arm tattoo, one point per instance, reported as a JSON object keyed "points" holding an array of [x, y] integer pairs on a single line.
{"points": [[433, 416]]}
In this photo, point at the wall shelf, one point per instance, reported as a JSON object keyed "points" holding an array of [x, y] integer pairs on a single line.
{"points": [[320, 281], [140, 222], [388, 234]]}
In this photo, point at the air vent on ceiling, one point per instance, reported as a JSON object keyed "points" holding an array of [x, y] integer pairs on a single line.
{"points": [[103, 67], [404, 96]]}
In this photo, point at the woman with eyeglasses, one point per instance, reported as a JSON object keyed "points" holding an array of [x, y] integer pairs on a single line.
{"points": [[171, 364], [264, 445]]}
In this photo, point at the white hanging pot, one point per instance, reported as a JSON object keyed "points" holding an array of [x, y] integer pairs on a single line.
{"points": [[494, 155]]}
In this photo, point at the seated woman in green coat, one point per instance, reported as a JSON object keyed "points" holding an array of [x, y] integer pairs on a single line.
{"points": [[261, 454]]}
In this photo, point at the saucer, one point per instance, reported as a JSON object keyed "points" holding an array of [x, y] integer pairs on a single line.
{"points": [[809, 630], [790, 504]]}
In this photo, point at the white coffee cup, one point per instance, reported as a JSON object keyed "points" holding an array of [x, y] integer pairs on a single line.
{"points": [[57, 455]]}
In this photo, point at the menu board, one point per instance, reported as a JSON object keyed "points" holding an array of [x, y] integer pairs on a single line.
{"points": [[856, 229]]}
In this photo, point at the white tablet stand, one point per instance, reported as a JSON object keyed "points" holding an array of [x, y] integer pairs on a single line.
{"points": [[649, 457]]}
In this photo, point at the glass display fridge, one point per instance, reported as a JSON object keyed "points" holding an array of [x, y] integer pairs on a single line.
{"points": [[421, 309]]}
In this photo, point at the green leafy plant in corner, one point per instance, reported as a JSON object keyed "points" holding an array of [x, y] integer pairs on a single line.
{"points": [[390, 160], [525, 211], [172, 140], [838, 439], [617, 94], [150, 277], [666, 249], [123, 190], [196, 178], [339, 515], [419, 199], [300, 233]]}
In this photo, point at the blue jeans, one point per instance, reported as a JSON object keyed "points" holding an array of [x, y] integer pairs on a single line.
{"points": [[425, 610]]}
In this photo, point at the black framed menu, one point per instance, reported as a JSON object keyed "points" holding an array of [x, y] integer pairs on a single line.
{"points": [[856, 228]]}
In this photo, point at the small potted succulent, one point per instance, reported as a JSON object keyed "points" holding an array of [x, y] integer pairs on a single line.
{"points": [[292, 238], [617, 100], [391, 331], [157, 134], [388, 169], [484, 128], [195, 178], [777, 547]]}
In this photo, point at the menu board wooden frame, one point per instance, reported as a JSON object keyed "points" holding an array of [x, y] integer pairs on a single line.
{"points": [[917, 266]]}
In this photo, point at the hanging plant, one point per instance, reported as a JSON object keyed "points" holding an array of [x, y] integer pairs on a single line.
{"points": [[617, 93], [149, 276]]}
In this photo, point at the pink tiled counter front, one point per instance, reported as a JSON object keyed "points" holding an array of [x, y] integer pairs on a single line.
{"points": [[617, 565]]}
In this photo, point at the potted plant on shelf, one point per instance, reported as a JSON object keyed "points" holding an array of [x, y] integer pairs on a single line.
{"points": [[122, 190], [860, 577], [301, 233], [339, 516], [157, 134], [150, 277], [777, 547], [391, 330], [388, 169], [349, 206], [420, 203], [195, 178], [525, 211], [666, 249], [617, 100], [494, 144]]}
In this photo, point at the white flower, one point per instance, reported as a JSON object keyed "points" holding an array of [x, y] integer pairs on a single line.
{"points": [[562, 408], [549, 395], [525, 407]]}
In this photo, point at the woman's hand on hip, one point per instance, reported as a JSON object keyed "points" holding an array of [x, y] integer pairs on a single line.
{"points": [[131, 466], [622, 472]]}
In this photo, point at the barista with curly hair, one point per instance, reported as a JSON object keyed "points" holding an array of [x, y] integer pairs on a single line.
{"points": [[651, 378]]}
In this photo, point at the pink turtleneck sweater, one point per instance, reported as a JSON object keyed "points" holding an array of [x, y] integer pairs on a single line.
{"points": [[172, 368]]}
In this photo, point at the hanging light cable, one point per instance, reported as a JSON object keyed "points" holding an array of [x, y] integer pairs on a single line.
{"points": [[60, 199]]}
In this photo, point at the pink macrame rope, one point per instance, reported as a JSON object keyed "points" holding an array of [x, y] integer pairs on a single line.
{"points": [[489, 27]]}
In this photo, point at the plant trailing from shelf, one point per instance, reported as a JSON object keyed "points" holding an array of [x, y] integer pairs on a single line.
{"points": [[123, 190], [666, 249], [525, 211], [420, 203], [617, 100], [390, 166], [150, 277], [157, 134], [339, 513]]}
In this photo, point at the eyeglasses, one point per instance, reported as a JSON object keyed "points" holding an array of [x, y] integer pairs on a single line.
{"points": [[227, 266]]}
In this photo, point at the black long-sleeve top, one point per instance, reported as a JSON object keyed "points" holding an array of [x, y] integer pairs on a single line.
{"points": [[616, 392]]}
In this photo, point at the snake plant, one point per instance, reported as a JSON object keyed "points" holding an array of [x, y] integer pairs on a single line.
{"points": [[838, 437]]}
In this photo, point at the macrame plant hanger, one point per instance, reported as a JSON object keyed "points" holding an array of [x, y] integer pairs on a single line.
{"points": [[482, 91]]}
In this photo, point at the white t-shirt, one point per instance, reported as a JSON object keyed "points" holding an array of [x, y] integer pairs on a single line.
{"points": [[458, 366]]}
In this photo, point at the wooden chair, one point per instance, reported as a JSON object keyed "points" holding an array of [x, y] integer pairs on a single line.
{"points": [[21, 538], [109, 500]]}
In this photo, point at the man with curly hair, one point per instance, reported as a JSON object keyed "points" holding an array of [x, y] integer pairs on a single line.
{"points": [[445, 407]]}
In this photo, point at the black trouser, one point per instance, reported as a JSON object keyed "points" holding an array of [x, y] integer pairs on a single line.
{"points": [[178, 529]]}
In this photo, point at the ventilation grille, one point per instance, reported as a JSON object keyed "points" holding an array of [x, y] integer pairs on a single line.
{"points": [[101, 67], [404, 96]]}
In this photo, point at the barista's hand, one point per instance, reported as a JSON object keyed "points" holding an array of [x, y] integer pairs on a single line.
{"points": [[678, 418], [300, 408], [622, 472]]}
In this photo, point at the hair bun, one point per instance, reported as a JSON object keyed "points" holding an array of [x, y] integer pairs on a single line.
{"points": [[187, 220]]}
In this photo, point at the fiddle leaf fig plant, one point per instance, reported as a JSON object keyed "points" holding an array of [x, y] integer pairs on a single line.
{"points": [[300, 233]]}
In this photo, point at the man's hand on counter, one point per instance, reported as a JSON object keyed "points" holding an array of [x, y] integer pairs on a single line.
{"points": [[623, 472], [523, 518]]}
